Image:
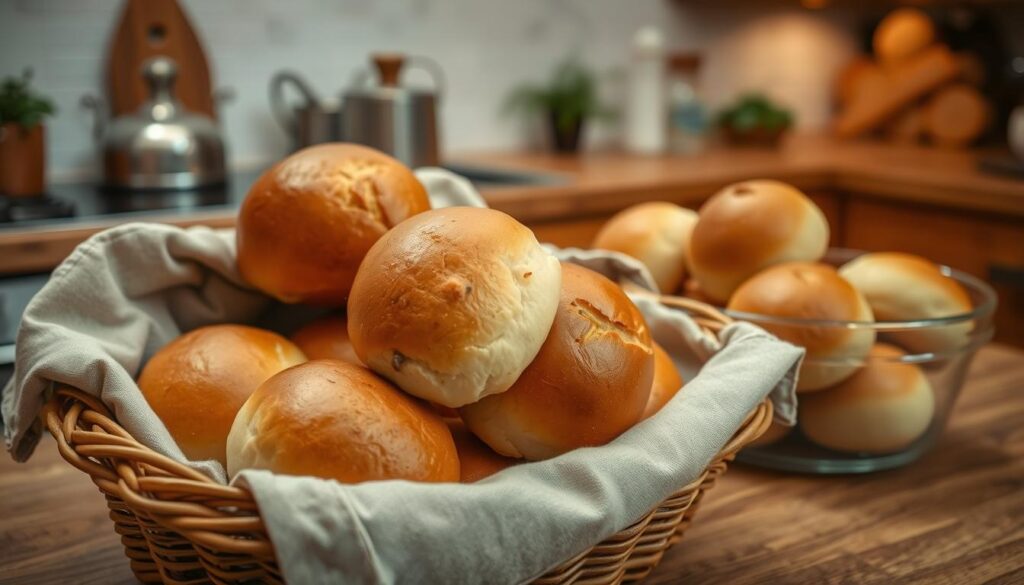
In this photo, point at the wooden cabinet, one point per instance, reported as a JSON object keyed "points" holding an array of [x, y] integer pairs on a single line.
{"points": [[988, 246], [579, 232]]}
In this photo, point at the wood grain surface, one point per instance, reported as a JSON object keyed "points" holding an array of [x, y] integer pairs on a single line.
{"points": [[954, 517]]}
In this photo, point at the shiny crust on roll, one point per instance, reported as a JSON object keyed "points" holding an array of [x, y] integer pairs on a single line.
{"points": [[657, 234], [326, 338], [197, 382], [667, 381], [476, 459], [336, 420], [589, 383], [810, 290], [749, 226], [904, 287], [453, 304], [308, 221], [882, 408]]}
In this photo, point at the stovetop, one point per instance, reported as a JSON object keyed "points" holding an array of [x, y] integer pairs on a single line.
{"points": [[67, 204]]}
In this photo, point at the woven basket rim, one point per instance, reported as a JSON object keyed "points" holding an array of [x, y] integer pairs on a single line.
{"points": [[223, 522]]}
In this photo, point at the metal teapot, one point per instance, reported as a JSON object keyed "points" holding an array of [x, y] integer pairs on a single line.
{"points": [[162, 145], [395, 119]]}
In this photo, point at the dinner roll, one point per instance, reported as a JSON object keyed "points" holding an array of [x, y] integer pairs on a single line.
{"points": [[337, 420], [197, 382], [749, 226], [884, 407], [453, 304], [810, 290], [903, 33], [308, 221], [775, 433], [476, 460], [904, 287], [326, 338], [589, 383], [655, 233], [667, 381]]}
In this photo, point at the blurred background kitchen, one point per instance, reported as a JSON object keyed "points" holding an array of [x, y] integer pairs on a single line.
{"points": [[562, 112]]}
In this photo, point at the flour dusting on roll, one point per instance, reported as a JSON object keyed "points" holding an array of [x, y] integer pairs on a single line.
{"points": [[453, 304]]}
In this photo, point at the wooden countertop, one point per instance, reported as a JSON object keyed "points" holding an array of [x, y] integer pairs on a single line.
{"points": [[955, 516], [602, 183]]}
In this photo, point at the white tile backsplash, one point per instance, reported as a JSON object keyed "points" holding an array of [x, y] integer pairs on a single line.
{"points": [[485, 46]]}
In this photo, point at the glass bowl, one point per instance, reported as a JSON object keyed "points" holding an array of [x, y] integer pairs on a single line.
{"points": [[877, 434]]}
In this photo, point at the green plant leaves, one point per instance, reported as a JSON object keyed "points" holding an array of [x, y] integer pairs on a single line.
{"points": [[754, 111], [570, 96], [20, 105]]}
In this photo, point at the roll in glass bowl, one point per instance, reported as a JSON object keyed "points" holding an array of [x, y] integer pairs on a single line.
{"points": [[895, 405]]}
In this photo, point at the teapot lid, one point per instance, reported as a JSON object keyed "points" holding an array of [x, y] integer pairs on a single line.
{"points": [[389, 68]]}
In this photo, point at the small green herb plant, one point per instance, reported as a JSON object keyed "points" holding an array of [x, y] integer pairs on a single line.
{"points": [[19, 104], [570, 96], [754, 112]]}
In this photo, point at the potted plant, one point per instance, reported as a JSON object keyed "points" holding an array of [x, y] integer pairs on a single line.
{"points": [[567, 101], [22, 140], [754, 121]]}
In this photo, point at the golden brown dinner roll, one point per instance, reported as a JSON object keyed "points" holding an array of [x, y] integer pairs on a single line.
{"points": [[453, 304], [810, 290], [667, 381], [308, 221], [197, 382], [476, 459], [655, 233], [337, 420], [901, 34], [691, 290], [589, 383], [749, 226], [775, 433], [326, 338], [905, 287], [883, 407]]}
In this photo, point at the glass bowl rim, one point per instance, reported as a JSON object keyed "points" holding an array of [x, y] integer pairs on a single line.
{"points": [[980, 311]]}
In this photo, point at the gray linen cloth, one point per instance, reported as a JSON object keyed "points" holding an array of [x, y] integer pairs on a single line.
{"points": [[128, 291]]}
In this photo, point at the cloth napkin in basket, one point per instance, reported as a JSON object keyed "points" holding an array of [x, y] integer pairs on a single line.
{"points": [[128, 291]]}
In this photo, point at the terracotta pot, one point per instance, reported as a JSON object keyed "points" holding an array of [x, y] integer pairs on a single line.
{"points": [[22, 160]]}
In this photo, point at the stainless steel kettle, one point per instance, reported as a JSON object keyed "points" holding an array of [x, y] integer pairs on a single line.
{"points": [[162, 145], [388, 116]]}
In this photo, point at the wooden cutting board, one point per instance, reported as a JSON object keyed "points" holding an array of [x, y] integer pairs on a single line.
{"points": [[152, 28]]}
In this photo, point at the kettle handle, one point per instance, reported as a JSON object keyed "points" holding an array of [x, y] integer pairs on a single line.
{"points": [[278, 105]]}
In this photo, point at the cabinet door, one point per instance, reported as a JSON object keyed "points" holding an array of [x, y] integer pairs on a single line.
{"points": [[989, 247]]}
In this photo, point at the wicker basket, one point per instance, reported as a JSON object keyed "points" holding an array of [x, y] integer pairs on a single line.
{"points": [[179, 526]]}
